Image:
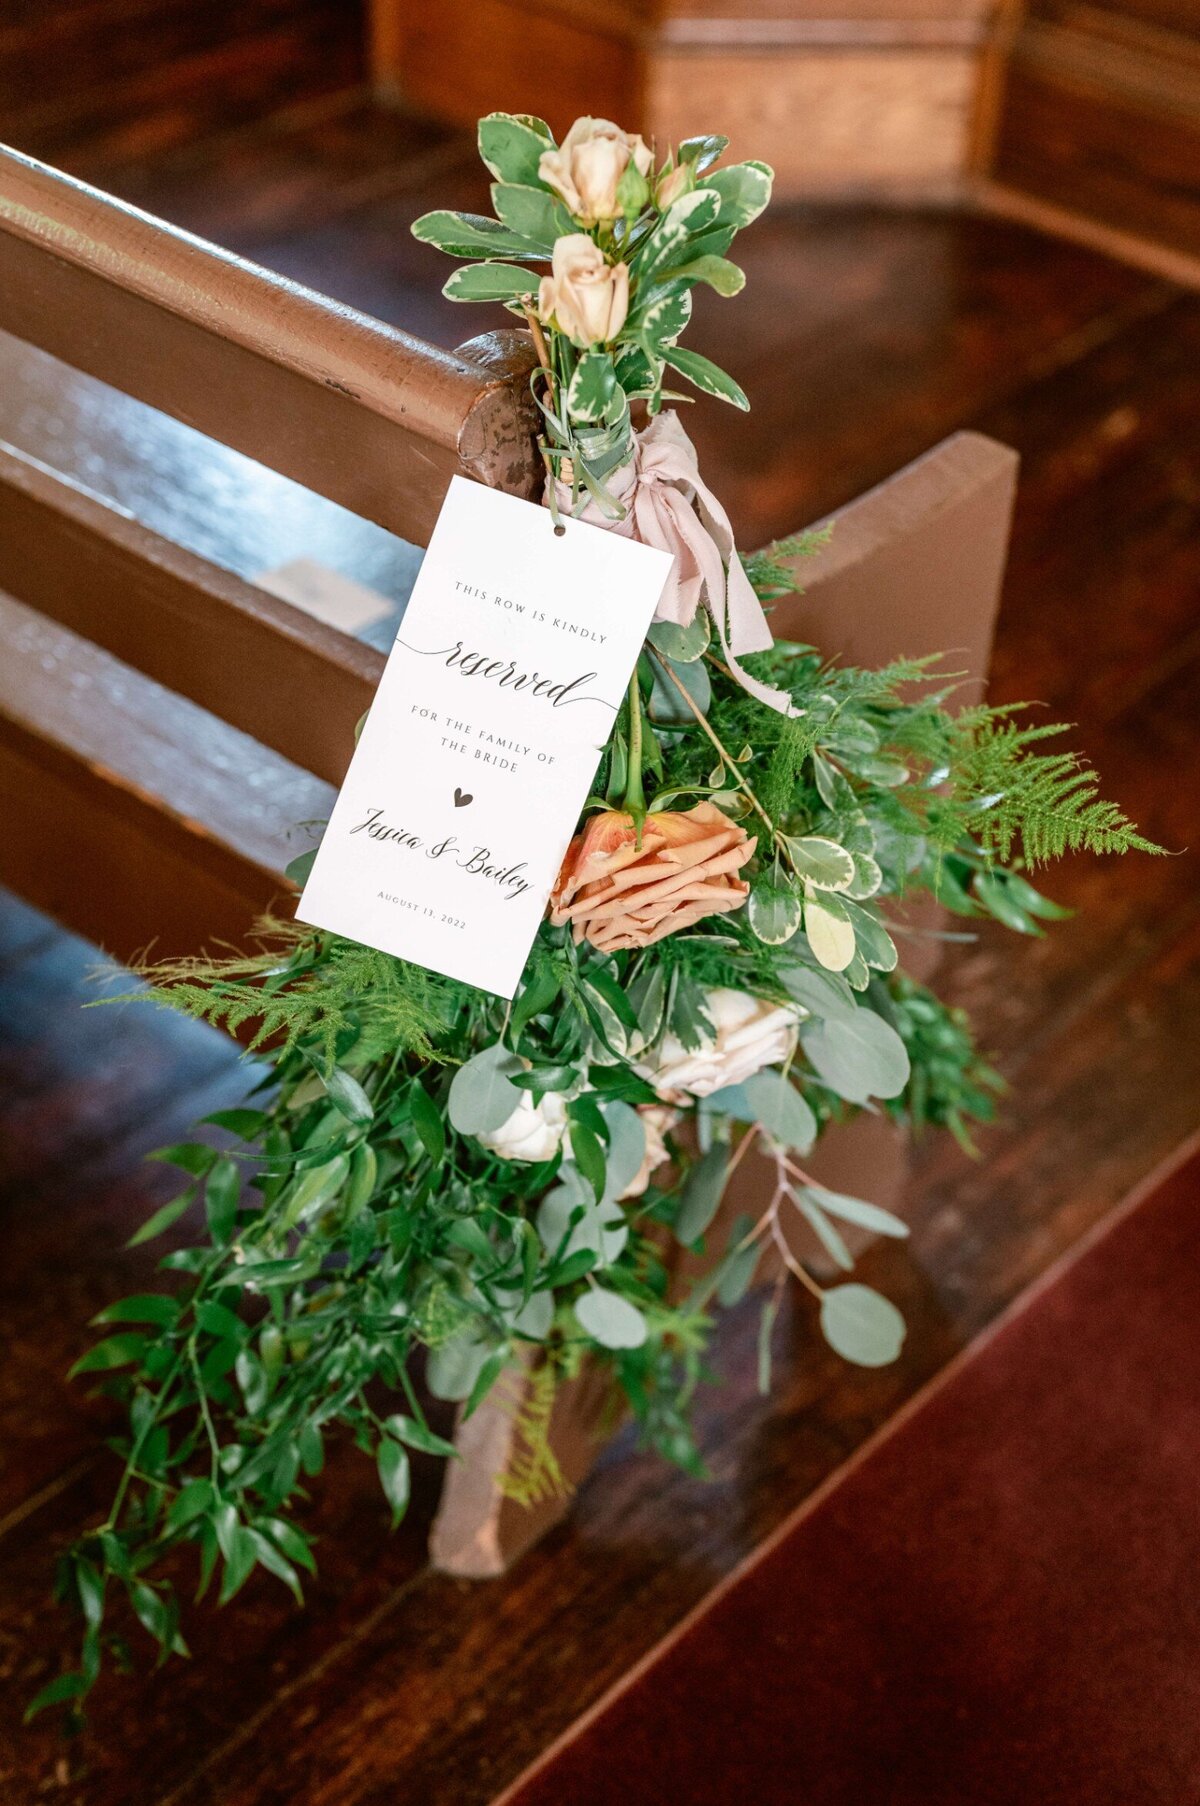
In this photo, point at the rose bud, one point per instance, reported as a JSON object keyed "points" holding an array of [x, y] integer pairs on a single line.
{"points": [[584, 296], [674, 183], [616, 893], [586, 168]]}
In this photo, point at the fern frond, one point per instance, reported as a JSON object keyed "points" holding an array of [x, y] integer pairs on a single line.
{"points": [[1044, 804], [533, 1474]]}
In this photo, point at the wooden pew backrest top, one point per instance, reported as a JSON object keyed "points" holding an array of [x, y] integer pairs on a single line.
{"points": [[352, 408]]}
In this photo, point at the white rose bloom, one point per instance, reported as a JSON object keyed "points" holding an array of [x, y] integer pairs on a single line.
{"points": [[586, 169], [586, 297], [657, 1120], [533, 1132], [750, 1034]]}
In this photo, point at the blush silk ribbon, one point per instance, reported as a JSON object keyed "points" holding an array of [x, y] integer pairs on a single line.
{"points": [[666, 504]]}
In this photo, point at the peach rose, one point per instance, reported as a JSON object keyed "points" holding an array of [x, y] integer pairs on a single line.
{"points": [[616, 894], [586, 168], [585, 296]]}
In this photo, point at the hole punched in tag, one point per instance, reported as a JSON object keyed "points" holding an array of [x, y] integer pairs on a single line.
{"points": [[559, 530]]}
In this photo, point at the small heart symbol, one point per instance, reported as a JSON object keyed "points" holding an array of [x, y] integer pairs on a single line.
{"points": [[462, 798]]}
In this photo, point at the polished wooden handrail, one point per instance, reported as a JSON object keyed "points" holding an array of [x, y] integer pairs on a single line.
{"points": [[354, 409]]}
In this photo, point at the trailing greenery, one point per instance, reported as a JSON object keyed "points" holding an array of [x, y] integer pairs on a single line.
{"points": [[432, 1197]]}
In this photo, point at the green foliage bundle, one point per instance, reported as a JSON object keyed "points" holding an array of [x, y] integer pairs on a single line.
{"points": [[430, 1190]]}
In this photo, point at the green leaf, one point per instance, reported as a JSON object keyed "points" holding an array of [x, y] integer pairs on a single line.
{"points": [[218, 1320], [661, 322], [626, 1147], [701, 1196], [589, 1157], [535, 997], [738, 1267], [744, 190], [57, 1692], [364, 1173], [315, 1189], [113, 1352], [394, 1476], [533, 213], [690, 214], [683, 645], [592, 388], [193, 1156], [419, 1436], [821, 862], [454, 1367], [481, 1096], [871, 938], [490, 282], [861, 1325], [707, 376], [470, 235], [610, 1319], [825, 1232], [194, 1500], [598, 1229], [828, 928], [667, 707], [774, 908], [511, 148], [297, 870], [856, 1210], [704, 151], [349, 1096], [312, 1451], [427, 1121], [221, 1194], [486, 1378], [859, 1056], [247, 1125], [725, 277], [152, 1307], [275, 1562], [240, 1562], [781, 1110]]}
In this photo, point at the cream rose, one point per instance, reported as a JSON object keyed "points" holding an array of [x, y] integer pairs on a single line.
{"points": [[750, 1033], [533, 1132], [657, 1120], [586, 169], [585, 297]]}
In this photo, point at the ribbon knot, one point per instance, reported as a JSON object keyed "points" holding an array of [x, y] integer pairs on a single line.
{"points": [[668, 505]]}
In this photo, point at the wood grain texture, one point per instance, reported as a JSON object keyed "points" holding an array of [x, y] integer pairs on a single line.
{"points": [[108, 83], [366, 415], [886, 92], [399, 1686], [1101, 116]]}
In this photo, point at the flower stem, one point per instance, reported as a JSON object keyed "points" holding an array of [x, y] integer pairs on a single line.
{"points": [[635, 794]]}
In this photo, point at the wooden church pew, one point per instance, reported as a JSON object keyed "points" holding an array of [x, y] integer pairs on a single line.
{"points": [[171, 420]]}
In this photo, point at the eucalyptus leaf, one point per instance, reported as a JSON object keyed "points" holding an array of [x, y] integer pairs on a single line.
{"points": [[861, 1325], [610, 1319], [683, 645], [626, 1147], [701, 1196], [859, 1056], [856, 1210], [453, 1368], [667, 707], [482, 1098]]}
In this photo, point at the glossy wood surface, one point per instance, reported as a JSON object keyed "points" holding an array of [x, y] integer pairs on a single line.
{"points": [[863, 341]]}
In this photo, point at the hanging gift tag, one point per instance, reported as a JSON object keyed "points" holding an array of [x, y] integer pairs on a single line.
{"points": [[497, 699]]}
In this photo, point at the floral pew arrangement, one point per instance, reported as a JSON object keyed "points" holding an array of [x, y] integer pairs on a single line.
{"points": [[430, 1187]]}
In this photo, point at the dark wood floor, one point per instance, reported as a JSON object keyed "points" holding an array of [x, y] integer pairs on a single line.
{"points": [[862, 341]]}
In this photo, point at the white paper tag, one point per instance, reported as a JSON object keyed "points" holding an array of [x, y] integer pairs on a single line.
{"points": [[496, 701]]}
